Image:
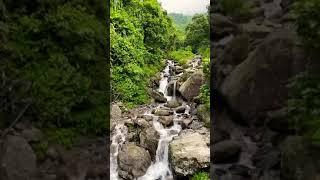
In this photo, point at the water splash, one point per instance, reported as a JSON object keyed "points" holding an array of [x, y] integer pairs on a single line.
{"points": [[118, 138]]}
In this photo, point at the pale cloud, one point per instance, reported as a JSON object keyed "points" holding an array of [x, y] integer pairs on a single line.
{"points": [[189, 7]]}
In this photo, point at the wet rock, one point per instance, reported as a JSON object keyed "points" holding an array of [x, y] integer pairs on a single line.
{"points": [[148, 117], [32, 135], [256, 31], [180, 109], [189, 153], [115, 115], [191, 88], [166, 120], [129, 122], [142, 122], [219, 135], [266, 157], [162, 112], [149, 139], [133, 161], [170, 88], [250, 90], [240, 170], [158, 96], [222, 26], [18, 161], [185, 123], [172, 103], [226, 151], [178, 69]]}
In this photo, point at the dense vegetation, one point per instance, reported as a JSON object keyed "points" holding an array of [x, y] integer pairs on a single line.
{"points": [[304, 102], [180, 20], [53, 65], [141, 33]]}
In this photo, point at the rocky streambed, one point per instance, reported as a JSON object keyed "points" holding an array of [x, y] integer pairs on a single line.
{"points": [[165, 139]]}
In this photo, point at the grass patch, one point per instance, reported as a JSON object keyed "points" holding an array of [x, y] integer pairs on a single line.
{"points": [[182, 55], [201, 176]]}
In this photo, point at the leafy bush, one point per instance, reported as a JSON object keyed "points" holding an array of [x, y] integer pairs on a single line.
{"points": [[235, 8], [140, 34], [197, 32], [201, 176], [62, 53], [308, 23], [62, 136], [182, 55], [304, 105], [304, 89]]}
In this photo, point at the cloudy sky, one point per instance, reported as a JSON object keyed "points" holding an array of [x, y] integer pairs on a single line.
{"points": [[188, 7]]}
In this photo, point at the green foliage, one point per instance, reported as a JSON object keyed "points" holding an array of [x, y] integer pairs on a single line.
{"points": [[197, 32], [235, 8], [181, 21], [59, 47], [40, 149], [201, 176], [182, 55], [308, 23], [304, 105], [140, 34], [62, 136]]}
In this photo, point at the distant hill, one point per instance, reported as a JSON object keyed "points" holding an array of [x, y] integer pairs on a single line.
{"points": [[180, 20]]}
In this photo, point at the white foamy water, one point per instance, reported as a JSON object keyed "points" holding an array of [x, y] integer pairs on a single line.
{"points": [[160, 170], [118, 138]]}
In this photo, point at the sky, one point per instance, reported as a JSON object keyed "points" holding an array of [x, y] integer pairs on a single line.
{"points": [[187, 7]]}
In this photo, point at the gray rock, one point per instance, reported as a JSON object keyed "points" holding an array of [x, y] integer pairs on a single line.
{"points": [[32, 135], [172, 103], [166, 120], [149, 139], [189, 153], [191, 87], [158, 96], [148, 117], [162, 112], [180, 109], [133, 161], [226, 151], [18, 161], [259, 83]]}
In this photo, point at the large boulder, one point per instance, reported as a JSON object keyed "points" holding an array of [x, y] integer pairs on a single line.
{"points": [[133, 161], [191, 88], [258, 84], [255, 31], [222, 26], [166, 120], [18, 161], [226, 151], [172, 103], [189, 153], [162, 112], [149, 139]]}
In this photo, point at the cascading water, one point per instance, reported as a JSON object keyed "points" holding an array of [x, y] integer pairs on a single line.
{"points": [[118, 138], [160, 169]]}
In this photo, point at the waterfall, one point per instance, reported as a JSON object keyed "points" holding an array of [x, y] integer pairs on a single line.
{"points": [[118, 138]]}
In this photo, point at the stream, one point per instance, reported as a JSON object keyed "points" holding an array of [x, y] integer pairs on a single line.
{"points": [[160, 168]]}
